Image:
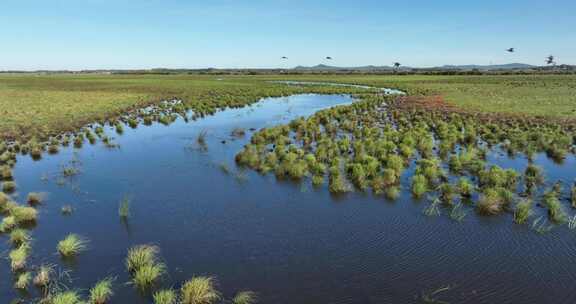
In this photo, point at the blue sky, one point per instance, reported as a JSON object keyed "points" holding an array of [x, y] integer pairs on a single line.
{"points": [[124, 34]]}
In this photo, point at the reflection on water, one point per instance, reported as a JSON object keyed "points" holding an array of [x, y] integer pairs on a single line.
{"points": [[291, 243]]}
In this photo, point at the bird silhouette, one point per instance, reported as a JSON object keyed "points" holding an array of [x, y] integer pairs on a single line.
{"points": [[510, 50], [329, 58], [550, 60], [284, 57]]}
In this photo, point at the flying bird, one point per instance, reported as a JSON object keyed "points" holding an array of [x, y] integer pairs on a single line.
{"points": [[510, 50], [329, 58], [550, 60], [284, 57]]}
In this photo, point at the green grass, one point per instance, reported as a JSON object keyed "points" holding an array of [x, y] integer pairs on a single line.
{"points": [[244, 297], [72, 245], [23, 280], [199, 290], [101, 292], [19, 256], [140, 256], [66, 102], [166, 296], [66, 297], [19, 236]]}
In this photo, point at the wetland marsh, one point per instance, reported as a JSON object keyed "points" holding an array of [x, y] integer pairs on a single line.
{"points": [[318, 194]]}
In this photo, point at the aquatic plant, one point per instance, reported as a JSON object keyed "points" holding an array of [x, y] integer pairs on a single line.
{"points": [[490, 202], [101, 292], [44, 275], [24, 214], [433, 209], [5, 173], [124, 207], [465, 187], [23, 280], [8, 186], [245, 297], [146, 275], [555, 211], [419, 185], [8, 223], [523, 211], [66, 209], [166, 296], [19, 256], [72, 245], [141, 255], [457, 213], [199, 290], [35, 198], [66, 297], [19, 236]]}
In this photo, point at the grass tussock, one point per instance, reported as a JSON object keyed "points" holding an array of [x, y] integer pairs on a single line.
{"points": [[199, 290], [101, 292], [245, 297], [166, 296], [72, 245]]}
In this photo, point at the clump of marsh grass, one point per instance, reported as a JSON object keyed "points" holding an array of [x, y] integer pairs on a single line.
{"points": [[245, 297], [124, 207], [66, 297], [533, 176], [147, 275], [166, 296], [19, 236], [35, 198], [43, 275], [465, 187], [8, 187], [199, 290], [101, 292], [19, 257], [555, 211], [72, 245], [523, 211], [5, 173], [140, 256], [8, 223], [392, 193], [24, 214], [142, 263], [419, 185], [66, 209], [238, 132], [491, 202], [23, 280]]}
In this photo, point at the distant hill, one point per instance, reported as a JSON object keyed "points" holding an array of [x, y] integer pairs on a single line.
{"points": [[509, 66], [469, 67]]}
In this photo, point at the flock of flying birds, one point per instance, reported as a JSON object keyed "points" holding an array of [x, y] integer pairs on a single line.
{"points": [[549, 60]]}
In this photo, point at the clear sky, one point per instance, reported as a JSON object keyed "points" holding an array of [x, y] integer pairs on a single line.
{"points": [[124, 34]]}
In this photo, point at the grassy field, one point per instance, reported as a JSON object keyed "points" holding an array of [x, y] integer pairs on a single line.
{"points": [[37, 105]]}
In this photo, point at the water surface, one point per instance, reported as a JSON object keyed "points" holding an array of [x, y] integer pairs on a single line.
{"points": [[289, 242]]}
